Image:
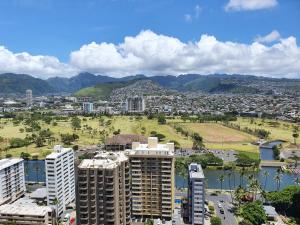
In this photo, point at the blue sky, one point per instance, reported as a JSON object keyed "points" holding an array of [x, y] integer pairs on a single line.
{"points": [[57, 28]]}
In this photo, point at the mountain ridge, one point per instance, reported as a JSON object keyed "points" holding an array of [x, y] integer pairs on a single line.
{"points": [[215, 83]]}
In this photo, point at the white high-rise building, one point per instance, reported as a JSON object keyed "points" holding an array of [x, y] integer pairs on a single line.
{"points": [[12, 180], [28, 98], [60, 178], [196, 199], [87, 107]]}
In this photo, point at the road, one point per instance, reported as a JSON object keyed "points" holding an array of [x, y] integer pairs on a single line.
{"points": [[229, 216]]}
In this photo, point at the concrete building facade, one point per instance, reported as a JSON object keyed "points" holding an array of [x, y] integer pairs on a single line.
{"points": [[12, 180], [26, 213], [135, 105], [60, 178], [28, 98], [103, 190], [152, 182], [87, 107], [196, 194]]}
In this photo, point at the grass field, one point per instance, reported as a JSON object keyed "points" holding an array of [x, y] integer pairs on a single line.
{"points": [[216, 136], [280, 130]]}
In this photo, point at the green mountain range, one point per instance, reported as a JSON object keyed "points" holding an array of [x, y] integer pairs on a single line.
{"points": [[90, 84]]}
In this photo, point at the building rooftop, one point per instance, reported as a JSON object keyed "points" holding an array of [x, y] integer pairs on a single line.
{"points": [[58, 151], [151, 148], [108, 160], [124, 139], [4, 163], [39, 193], [195, 171], [270, 211], [25, 207]]}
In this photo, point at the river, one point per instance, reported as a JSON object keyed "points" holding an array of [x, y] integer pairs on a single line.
{"points": [[212, 176], [266, 151], [35, 171]]}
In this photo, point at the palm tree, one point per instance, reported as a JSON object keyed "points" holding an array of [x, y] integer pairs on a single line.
{"points": [[242, 173], [266, 174], [221, 180], [254, 186], [239, 194], [277, 178], [55, 202], [295, 136], [229, 183]]}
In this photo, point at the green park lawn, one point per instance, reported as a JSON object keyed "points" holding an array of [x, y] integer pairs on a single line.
{"points": [[216, 136], [279, 131]]}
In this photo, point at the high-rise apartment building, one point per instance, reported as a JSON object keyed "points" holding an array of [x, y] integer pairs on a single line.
{"points": [[28, 98], [12, 180], [135, 104], [152, 179], [60, 178], [196, 199], [87, 107], [103, 190]]}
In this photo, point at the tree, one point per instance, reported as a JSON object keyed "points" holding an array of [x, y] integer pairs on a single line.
{"points": [[229, 184], [17, 142], [197, 141], [239, 194], [39, 141], [266, 174], [76, 123], [287, 200], [295, 136], [221, 180], [68, 138], [254, 213], [277, 179], [161, 119], [215, 220]]}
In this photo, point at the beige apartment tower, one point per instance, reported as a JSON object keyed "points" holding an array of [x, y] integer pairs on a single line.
{"points": [[103, 190], [152, 183]]}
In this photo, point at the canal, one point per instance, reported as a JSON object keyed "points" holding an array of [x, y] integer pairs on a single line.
{"points": [[211, 177], [35, 171]]}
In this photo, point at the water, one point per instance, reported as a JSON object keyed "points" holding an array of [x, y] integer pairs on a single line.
{"points": [[35, 171], [266, 153], [235, 180]]}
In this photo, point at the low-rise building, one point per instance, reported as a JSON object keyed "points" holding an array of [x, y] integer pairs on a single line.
{"points": [[122, 142], [26, 213]]}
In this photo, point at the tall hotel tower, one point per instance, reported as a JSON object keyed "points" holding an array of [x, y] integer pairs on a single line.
{"points": [[152, 171], [196, 199], [60, 178], [103, 190]]}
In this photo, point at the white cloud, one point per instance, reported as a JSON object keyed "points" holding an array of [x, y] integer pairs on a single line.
{"points": [[273, 36], [40, 66], [188, 18], [240, 5], [150, 53]]}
